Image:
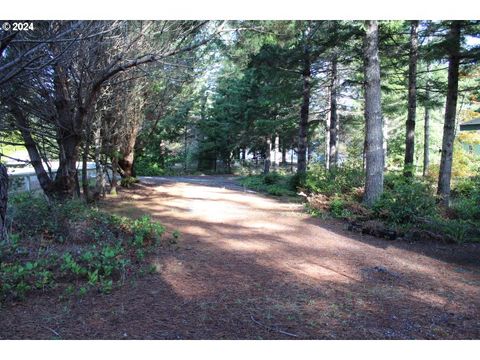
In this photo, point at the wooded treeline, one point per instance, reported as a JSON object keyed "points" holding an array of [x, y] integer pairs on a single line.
{"points": [[132, 95]]}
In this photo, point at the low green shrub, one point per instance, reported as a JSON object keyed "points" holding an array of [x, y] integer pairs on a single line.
{"points": [[297, 181], [272, 178], [143, 167], [341, 180], [273, 184], [405, 202], [38, 254]]}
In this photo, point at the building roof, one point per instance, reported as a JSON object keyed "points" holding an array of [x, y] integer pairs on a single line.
{"points": [[473, 124]]}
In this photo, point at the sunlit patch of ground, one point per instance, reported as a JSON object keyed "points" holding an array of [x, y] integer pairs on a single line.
{"points": [[247, 266]]}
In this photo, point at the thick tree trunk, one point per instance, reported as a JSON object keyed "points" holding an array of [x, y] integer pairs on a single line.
{"points": [[373, 115], [3, 201], [333, 150], [64, 185], [266, 165], [412, 100], [445, 175], [284, 154], [128, 152], [426, 139], [126, 164], [70, 119], [304, 111]]}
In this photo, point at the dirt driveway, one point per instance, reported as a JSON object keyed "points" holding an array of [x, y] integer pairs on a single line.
{"points": [[252, 267]]}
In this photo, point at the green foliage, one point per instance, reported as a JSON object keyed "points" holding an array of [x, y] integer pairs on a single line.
{"points": [[405, 200], [146, 167], [145, 230], [297, 181], [272, 178], [466, 199], [105, 246], [273, 184], [342, 180], [337, 207]]}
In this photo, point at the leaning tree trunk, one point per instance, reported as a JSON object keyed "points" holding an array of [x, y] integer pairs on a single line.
{"points": [[445, 174], [3, 201], [304, 111], [373, 115], [412, 100], [333, 146], [32, 149]]}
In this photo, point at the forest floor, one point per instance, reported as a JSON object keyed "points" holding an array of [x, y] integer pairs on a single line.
{"points": [[248, 266]]}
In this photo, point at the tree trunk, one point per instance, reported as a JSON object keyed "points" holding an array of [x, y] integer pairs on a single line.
{"points": [[373, 115], [327, 134], [444, 178], [291, 161], [304, 111], [266, 165], [32, 149], [276, 151], [284, 154], [70, 120], [412, 100], [64, 185], [113, 186], [128, 152], [333, 151], [86, 149], [385, 142], [99, 171], [185, 149], [426, 141], [3, 201]]}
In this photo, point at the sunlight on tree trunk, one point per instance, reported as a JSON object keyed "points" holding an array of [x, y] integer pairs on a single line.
{"points": [[374, 131]]}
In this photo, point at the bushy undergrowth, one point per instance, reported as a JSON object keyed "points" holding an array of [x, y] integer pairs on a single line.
{"points": [[341, 180], [407, 203], [405, 200], [146, 168], [273, 184], [71, 247]]}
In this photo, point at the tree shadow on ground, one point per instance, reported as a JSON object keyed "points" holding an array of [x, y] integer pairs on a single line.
{"points": [[285, 277]]}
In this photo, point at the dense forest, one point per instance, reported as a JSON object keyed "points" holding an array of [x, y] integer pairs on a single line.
{"points": [[359, 120], [153, 98]]}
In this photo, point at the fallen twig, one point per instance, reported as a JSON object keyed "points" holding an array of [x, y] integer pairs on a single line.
{"points": [[272, 329], [53, 331]]}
